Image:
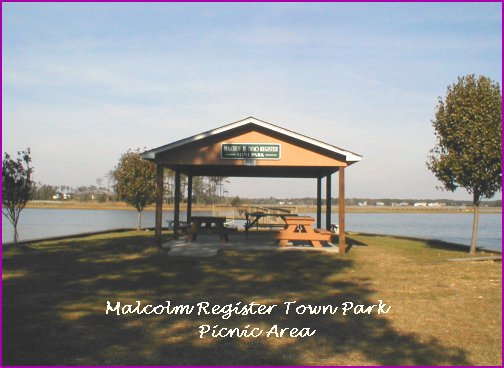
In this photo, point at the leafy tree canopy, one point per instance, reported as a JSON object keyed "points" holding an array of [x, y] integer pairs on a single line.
{"points": [[468, 153], [135, 181], [17, 186], [468, 128]]}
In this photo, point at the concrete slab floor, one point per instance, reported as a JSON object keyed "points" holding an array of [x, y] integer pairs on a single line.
{"points": [[209, 245]]}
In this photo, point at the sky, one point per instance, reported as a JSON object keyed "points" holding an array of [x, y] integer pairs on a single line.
{"points": [[84, 82]]}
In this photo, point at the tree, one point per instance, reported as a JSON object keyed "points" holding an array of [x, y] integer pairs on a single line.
{"points": [[17, 186], [215, 188], [110, 181], [198, 189], [99, 183], [44, 192], [468, 128], [135, 181], [236, 201]]}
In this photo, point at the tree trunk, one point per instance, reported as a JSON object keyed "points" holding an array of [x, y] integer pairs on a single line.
{"points": [[474, 237], [16, 235], [15, 225], [139, 225]]}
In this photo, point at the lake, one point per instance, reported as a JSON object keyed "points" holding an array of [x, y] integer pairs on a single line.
{"points": [[456, 227]]}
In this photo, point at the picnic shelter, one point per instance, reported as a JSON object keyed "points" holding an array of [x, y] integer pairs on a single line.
{"points": [[253, 148]]}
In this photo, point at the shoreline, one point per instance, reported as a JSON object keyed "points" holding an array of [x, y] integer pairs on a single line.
{"points": [[457, 246], [74, 205]]}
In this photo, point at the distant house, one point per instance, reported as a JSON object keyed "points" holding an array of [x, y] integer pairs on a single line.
{"points": [[436, 204], [380, 204], [404, 204], [420, 204], [60, 195], [363, 204]]}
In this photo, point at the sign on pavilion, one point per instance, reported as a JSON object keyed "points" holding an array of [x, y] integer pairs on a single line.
{"points": [[254, 151], [253, 148]]}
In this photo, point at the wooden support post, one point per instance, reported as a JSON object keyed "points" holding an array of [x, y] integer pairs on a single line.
{"points": [[319, 203], [159, 200], [341, 217], [328, 202], [176, 210], [189, 198]]}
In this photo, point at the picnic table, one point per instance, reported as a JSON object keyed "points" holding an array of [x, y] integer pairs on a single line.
{"points": [[207, 224], [300, 228], [182, 227], [253, 218]]}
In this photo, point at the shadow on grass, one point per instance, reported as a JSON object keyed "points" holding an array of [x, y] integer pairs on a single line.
{"points": [[54, 309], [433, 243], [352, 242]]}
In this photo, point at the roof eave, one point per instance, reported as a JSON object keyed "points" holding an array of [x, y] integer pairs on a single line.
{"points": [[349, 156]]}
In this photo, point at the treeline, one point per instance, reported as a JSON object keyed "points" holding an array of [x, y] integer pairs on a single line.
{"points": [[307, 201], [45, 192], [206, 190], [212, 190]]}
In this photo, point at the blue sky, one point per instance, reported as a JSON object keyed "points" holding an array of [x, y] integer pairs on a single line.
{"points": [[83, 83]]}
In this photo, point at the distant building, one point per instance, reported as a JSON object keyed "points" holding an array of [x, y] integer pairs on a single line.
{"points": [[363, 204], [380, 204], [420, 204], [60, 195], [437, 204]]}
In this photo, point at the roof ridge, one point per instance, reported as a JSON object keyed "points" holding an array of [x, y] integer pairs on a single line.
{"points": [[150, 154]]}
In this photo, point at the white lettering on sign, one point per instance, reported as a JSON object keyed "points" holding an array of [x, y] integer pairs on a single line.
{"points": [[264, 151]]}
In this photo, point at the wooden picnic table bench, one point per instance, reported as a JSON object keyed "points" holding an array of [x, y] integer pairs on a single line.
{"points": [[300, 228], [182, 228], [207, 224], [252, 220]]}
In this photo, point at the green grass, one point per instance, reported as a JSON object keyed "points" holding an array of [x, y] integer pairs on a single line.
{"points": [[55, 293]]}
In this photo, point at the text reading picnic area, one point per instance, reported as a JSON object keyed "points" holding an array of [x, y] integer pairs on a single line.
{"points": [[246, 309]]}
